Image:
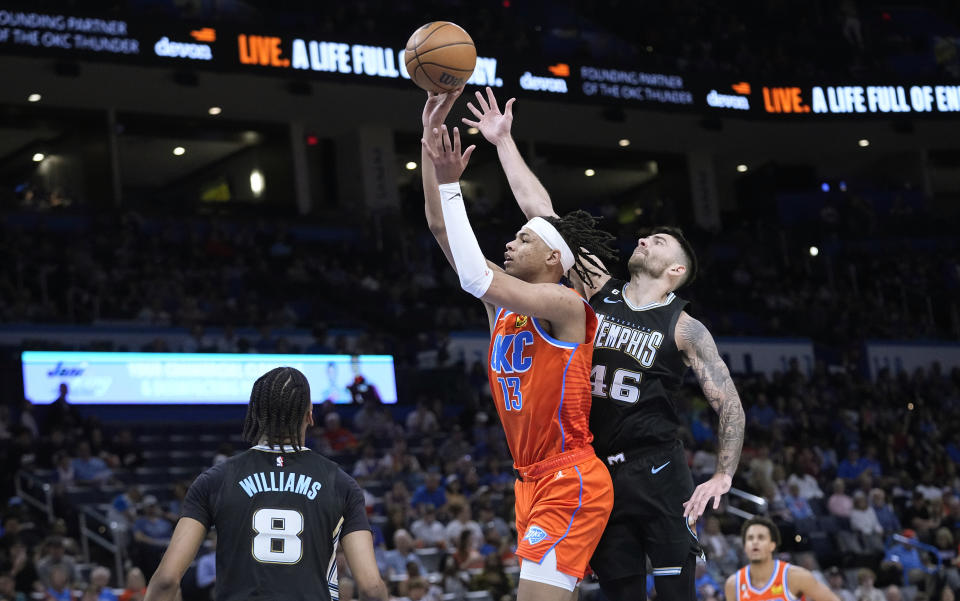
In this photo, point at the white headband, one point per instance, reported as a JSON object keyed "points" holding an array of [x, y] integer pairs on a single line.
{"points": [[552, 238]]}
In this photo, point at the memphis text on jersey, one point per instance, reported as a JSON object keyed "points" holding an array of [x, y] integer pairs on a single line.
{"points": [[280, 482], [641, 344]]}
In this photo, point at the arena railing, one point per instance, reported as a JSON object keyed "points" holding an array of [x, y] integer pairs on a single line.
{"points": [[27, 486], [759, 503], [102, 525]]}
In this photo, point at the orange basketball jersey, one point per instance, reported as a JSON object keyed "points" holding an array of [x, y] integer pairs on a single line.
{"points": [[541, 387], [775, 590]]}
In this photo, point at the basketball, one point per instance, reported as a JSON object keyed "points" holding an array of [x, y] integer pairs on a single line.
{"points": [[440, 56]]}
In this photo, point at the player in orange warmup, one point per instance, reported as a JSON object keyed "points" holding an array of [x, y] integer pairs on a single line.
{"points": [[769, 579], [539, 364]]}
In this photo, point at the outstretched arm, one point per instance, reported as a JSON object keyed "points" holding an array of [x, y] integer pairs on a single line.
{"points": [[478, 276], [532, 197], [435, 111], [700, 353], [495, 126]]}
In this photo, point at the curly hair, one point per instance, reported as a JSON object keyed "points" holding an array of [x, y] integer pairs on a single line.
{"points": [[579, 230]]}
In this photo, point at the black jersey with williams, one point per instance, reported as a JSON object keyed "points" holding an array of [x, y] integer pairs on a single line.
{"points": [[636, 370], [279, 518]]}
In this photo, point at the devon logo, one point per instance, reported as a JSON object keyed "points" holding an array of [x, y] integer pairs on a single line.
{"points": [[536, 534]]}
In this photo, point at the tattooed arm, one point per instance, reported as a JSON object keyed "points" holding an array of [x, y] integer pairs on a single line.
{"points": [[700, 353]]}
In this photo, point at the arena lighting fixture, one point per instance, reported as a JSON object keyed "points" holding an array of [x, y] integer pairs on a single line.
{"points": [[473, 131], [38, 157], [624, 142], [589, 172], [34, 97], [179, 150], [814, 251], [741, 168], [214, 110], [411, 165], [256, 182], [825, 187], [864, 142]]}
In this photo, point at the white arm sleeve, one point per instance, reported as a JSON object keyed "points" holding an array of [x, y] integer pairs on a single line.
{"points": [[475, 275]]}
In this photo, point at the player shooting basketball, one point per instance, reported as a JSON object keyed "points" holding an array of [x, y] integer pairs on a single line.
{"points": [[643, 345], [539, 364]]}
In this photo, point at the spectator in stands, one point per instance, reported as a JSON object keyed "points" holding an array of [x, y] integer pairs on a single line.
{"points": [[853, 465], [905, 559], [839, 504], [489, 519], [128, 453], [761, 414], [465, 552], [339, 438], [455, 581], [864, 522], [455, 445], [100, 584], [892, 593], [8, 591], [394, 561], [799, 509], [421, 421], [136, 586], [431, 491], [54, 556], [836, 584], [151, 534], [398, 462], [87, 468], [368, 463], [66, 474], [453, 490], [718, 548], [885, 515], [462, 520], [865, 590], [493, 579], [58, 588], [427, 531]]}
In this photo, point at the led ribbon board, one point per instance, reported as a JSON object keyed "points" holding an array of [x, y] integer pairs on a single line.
{"points": [[197, 378]]}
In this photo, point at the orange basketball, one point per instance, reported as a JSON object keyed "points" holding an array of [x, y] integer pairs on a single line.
{"points": [[440, 56]]}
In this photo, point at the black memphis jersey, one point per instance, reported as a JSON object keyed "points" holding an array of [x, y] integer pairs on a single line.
{"points": [[279, 519], [636, 370]]}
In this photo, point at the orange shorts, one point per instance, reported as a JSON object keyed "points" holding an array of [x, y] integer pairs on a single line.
{"points": [[565, 510]]}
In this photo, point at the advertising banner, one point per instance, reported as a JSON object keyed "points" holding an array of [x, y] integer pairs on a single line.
{"points": [[198, 378]]}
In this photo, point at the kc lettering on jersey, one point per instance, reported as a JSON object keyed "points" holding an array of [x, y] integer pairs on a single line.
{"points": [[511, 353], [540, 386]]}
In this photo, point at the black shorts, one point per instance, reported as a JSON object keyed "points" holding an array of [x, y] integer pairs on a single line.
{"points": [[649, 490]]}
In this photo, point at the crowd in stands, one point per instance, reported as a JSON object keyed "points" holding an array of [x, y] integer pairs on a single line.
{"points": [[862, 478], [869, 280]]}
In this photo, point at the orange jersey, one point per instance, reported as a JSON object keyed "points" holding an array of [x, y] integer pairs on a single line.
{"points": [[541, 387], [775, 590]]}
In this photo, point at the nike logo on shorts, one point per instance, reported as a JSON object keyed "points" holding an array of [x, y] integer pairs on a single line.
{"points": [[654, 470], [612, 301]]}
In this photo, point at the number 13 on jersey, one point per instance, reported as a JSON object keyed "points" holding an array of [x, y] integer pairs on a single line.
{"points": [[624, 386], [512, 397]]}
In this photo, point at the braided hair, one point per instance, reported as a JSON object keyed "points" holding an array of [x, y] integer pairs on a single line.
{"points": [[589, 243], [278, 402]]}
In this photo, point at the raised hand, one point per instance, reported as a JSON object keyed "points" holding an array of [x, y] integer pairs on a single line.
{"points": [[437, 108], [447, 159], [494, 125]]}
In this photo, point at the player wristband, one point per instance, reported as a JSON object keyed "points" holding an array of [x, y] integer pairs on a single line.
{"points": [[475, 276]]}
